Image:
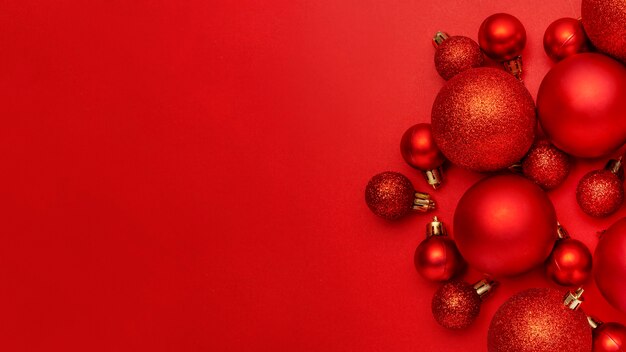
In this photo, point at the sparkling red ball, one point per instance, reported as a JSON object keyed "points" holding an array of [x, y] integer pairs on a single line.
{"points": [[455, 304], [565, 37], [390, 195], [570, 263], [546, 165], [502, 36], [609, 337], [438, 259], [600, 193], [609, 265], [418, 148], [483, 119], [605, 24], [537, 320], [457, 54]]}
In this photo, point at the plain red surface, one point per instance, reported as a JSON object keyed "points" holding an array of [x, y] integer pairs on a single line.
{"points": [[189, 175]]}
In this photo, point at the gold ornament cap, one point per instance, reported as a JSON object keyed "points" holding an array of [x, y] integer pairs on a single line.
{"points": [[484, 287], [573, 300], [561, 231], [514, 67], [434, 177], [435, 228], [594, 322], [422, 202], [615, 166], [439, 38]]}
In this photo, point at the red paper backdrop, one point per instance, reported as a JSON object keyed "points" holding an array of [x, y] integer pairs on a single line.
{"points": [[189, 175]]}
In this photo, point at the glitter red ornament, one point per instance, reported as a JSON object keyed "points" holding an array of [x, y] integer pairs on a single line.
{"points": [[505, 225], [436, 257], [455, 54], [608, 337], [391, 196], [503, 37], [419, 150], [570, 262], [565, 37], [546, 165], [456, 304], [581, 104], [540, 319], [600, 193], [605, 24], [483, 119], [609, 265]]}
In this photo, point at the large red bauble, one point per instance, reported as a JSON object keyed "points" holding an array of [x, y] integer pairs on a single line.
{"points": [[505, 225], [419, 149], [609, 265], [569, 263], [581, 104], [609, 337], [502, 36], [537, 320], [483, 119], [605, 24], [565, 37]]}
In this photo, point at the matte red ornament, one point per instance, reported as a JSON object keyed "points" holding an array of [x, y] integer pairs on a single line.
{"points": [[456, 304], [456, 54], [505, 225], [600, 193], [605, 24], [570, 262], [540, 319], [546, 165], [608, 337], [437, 258], [391, 196], [503, 37], [609, 265], [419, 150], [581, 104], [484, 120], [565, 37]]}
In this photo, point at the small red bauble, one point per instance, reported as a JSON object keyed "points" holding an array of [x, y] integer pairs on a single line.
{"points": [[391, 196], [565, 37], [540, 319], [419, 150], [502, 36], [456, 304], [581, 104], [601, 192], [605, 24], [483, 119], [457, 54], [609, 337], [546, 165], [437, 258], [569, 264], [505, 225], [609, 265]]}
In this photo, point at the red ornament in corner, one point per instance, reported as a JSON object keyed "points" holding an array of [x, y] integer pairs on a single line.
{"points": [[609, 265]]}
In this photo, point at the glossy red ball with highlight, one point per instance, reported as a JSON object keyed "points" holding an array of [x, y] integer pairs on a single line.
{"points": [[502, 36], [438, 259], [455, 305], [605, 24], [609, 337], [609, 265], [565, 37], [418, 148], [569, 263], [505, 225], [390, 195], [600, 193], [457, 54]]}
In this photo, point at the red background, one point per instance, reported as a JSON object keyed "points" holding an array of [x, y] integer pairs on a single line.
{"points": [[189, 175]]}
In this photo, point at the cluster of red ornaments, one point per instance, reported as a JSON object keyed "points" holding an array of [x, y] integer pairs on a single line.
{"points": [[485, 120]]}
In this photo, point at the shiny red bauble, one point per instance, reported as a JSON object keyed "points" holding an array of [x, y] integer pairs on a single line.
{"points": [[457, 54], [581, 104], [505, 225], [537, 320], [600, 193], [565, 37], [546, 165], [605, 24], [483, 119], [570, 262], [437, 258], [609, 265], [418, 148], [609, 337], [502, 36], [391, 196]]}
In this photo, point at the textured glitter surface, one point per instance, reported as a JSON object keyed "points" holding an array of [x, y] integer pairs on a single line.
{"points": [[605, 25], [390, 195], [600, 193], [536, 320], [609, 337], [484, 119], [455, 304], [546, 165], [457, 54]]}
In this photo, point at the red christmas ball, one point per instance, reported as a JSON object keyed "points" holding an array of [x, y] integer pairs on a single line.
{"points": [[502, 36], [605, 24], [609, 265], [505, 225], [457, 54], [581, 103], [418, 148], [483, 119], [565, 37], [609, 337], [538, 320], [569, 263], [600, 193], [546, 165], [455, 304], [437, 258], [391, 196]]}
